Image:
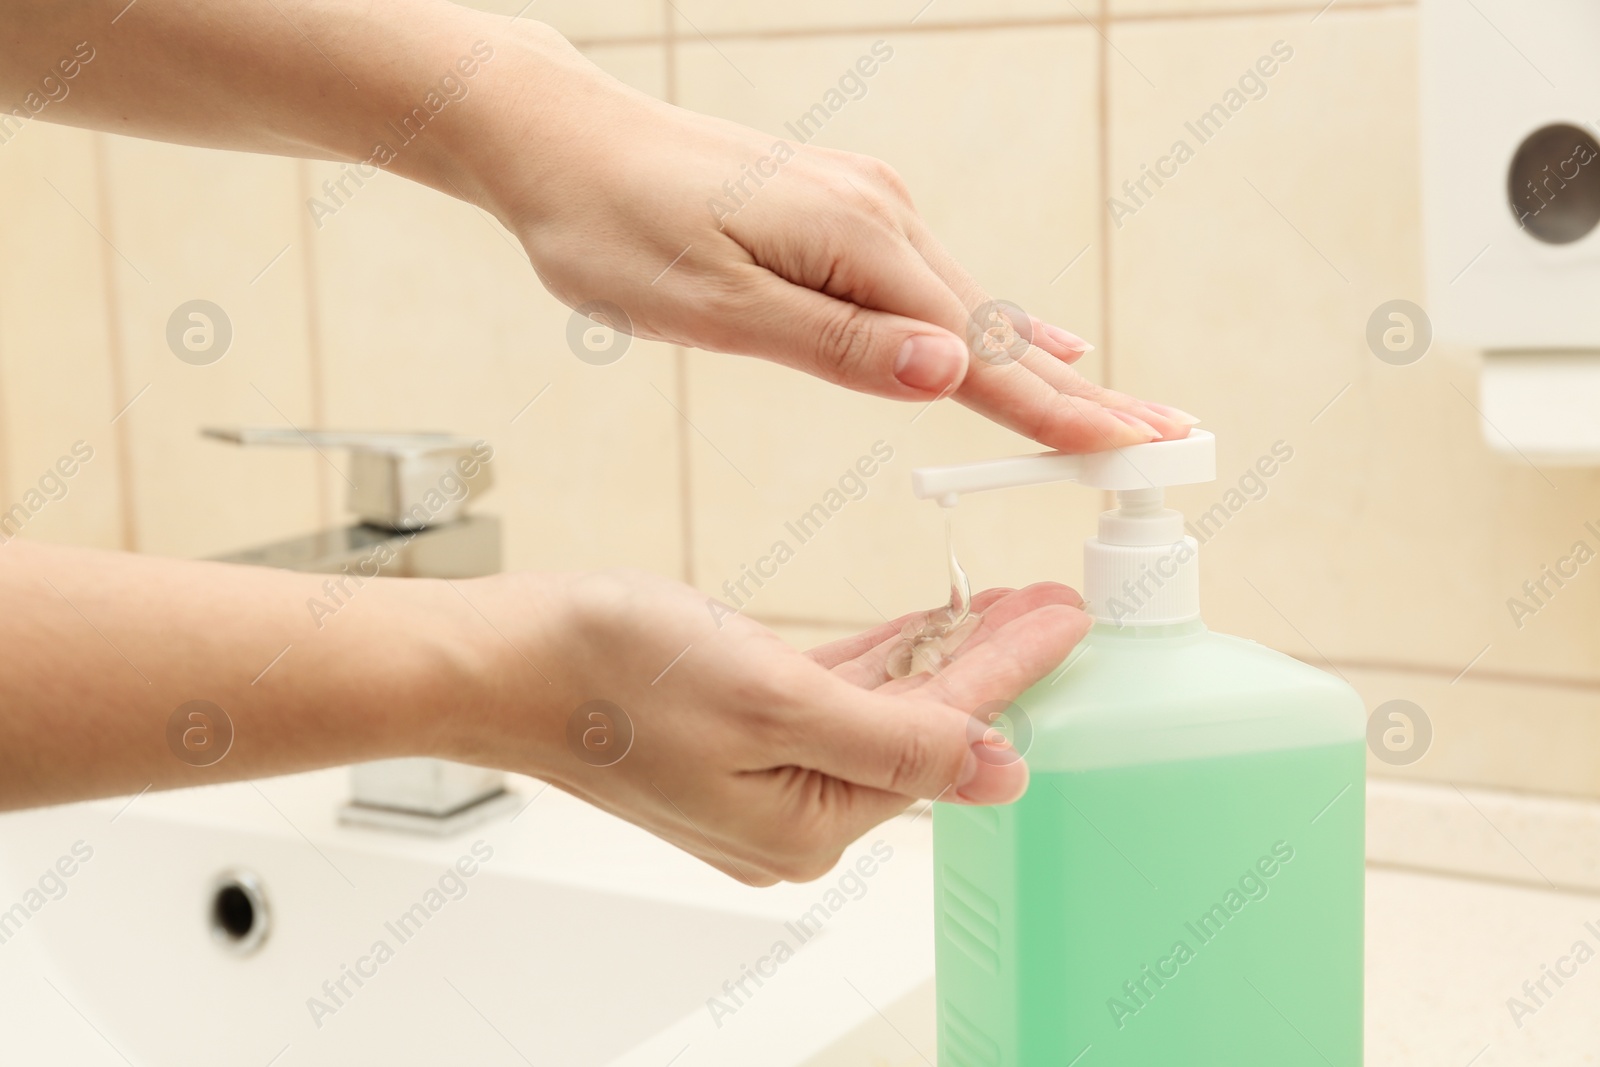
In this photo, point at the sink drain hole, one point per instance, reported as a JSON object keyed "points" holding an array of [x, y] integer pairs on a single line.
{"points": [[239, 918]]}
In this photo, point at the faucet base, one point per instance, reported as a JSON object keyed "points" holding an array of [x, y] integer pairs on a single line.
{"points": [[412, 822]]}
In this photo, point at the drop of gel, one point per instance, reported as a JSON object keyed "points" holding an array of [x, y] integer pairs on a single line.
{"points": [[928, 642]]}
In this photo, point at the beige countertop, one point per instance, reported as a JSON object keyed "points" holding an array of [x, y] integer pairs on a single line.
{"points": [[1444, 955]]}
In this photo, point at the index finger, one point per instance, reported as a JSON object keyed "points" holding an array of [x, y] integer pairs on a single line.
{"points": [[845, 649], [921, 744]]}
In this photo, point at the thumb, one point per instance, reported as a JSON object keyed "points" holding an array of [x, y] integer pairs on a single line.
{"points": [[923, 742], [910, 747], [870, 351]]}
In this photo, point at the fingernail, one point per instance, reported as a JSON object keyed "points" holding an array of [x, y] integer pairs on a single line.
{"points": [[1067, 340], [1176, 414], [1139, 424], [986, 779], [930, 363]]}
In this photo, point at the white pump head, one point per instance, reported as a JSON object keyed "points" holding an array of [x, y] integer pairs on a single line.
{"points": [[1142, 570]]}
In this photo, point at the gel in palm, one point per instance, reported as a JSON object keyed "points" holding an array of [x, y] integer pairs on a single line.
{"points": [[1182, 883]]}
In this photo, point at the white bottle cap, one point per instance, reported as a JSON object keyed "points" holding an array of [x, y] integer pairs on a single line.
{"points": [[1142, 570]]}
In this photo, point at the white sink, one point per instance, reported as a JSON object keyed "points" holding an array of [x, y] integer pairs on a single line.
{"points": [[583, 941], [578, 941]]}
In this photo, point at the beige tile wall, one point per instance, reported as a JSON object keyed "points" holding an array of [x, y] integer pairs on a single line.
{"points": [[1385, 549], [981, 169], [59, 382], [403, 310], [699, 19], [221, 229]]}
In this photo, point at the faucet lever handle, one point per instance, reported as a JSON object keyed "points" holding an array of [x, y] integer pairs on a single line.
{"points": [[394, 444], [398, 481]]}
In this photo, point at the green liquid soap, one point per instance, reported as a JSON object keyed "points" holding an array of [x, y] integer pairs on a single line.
{"points": [[1182, 884]]}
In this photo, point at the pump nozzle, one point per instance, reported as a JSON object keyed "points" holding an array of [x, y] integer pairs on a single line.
{"points": [[1142, 569], [1152, 466]]}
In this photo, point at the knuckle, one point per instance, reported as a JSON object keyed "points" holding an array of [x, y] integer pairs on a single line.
{"points": [[915, 760], [1065, 420], [891, 183], [1094, 392], [847, 339], [883, 179]]}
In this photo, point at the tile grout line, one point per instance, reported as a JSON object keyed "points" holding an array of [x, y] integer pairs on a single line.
{"points": [[1266, 11], [680, 358], [315, 367], [1103, 20], [1108, 345], [116, 350], [6, 425], [1103, 182], [669, 44], [1418, 669]]}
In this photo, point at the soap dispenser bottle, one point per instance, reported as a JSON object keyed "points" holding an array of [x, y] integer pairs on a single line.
{"points": [[1182, 884]]}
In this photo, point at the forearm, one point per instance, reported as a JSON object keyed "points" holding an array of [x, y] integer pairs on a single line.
{"points": [[396, 84], [101, 649]]}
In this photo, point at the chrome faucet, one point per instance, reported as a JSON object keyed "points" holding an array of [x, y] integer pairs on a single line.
{"points": [[410, 491]]}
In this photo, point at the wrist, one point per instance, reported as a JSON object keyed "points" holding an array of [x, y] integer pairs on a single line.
{"points": [[538, 111], [499, 704], [435, 89]]}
